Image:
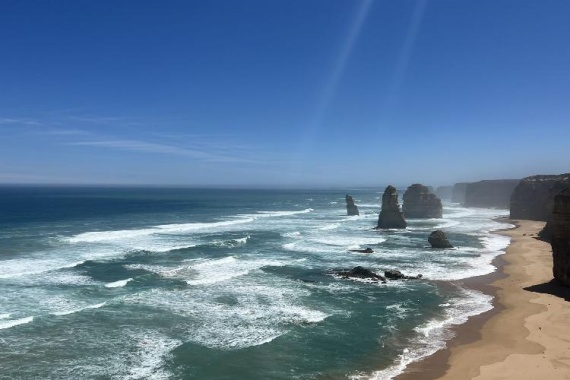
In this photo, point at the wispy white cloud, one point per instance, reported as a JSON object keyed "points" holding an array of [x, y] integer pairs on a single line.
{"points": [[19, 121], [151, 147]]}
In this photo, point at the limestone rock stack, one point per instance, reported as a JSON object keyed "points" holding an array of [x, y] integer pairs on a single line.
{"points": [[420, 202], [351, 208], [561, 237], [390, 215], [438, 239]]}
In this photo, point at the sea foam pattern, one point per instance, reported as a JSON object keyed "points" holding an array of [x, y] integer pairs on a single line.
{"points": [[242, 275]]}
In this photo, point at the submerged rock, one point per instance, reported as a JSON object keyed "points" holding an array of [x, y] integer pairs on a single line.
{"points": [[390, 215], [362, 273], [420, 202], [351, 208], [394, 274], [366, 250], [561, 237], [438, 239]]}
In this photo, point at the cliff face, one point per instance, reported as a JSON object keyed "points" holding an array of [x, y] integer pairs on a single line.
{"points": [[444, 192], [420, 202], [490, 193], [458, 193], [390, 215], [351, 208], [561, 237], [533, 197]]}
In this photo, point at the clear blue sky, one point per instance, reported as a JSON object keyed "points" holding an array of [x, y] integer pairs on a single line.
{"points": [[283, 92]]}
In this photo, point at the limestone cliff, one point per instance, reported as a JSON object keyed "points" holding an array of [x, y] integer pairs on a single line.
{"points": [[561, 237], [351, 208], [444, 192], [533, 197], [420, 202], [490, 193], [458, 193], [390, 215]]}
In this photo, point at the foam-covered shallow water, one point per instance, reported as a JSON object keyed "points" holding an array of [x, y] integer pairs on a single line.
{"points": [[220, 284]]}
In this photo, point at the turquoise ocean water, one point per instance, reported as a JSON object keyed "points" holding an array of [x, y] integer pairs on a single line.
{"points": [[133, 283]]}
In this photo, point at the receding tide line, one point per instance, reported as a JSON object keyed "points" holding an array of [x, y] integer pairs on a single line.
{"points": [[15, 322]]}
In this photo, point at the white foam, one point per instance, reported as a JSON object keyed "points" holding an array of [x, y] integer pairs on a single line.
{"points": [[294, 234], [266, 214], [5, 316], [151, 350], [72, 311], [331, 226], [432, 335], [15, 322], [213, 271], [118, 284]]}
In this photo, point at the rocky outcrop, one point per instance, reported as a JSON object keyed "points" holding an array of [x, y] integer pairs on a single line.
{"points": [[365, 250], [533, 197], [394, 274], [360, 273], [419, 202], [438, 239], [561, 237], [390, 215], [351, 208], [444, 192], [490, 193], [458, 193]]}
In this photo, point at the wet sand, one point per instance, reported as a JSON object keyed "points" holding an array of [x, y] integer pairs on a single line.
{"points": [[525, 336]]}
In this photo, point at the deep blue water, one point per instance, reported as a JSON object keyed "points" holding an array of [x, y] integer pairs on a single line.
{"points": [[153, 283]]}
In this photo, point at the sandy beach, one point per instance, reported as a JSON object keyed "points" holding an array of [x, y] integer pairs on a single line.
{"points": [[526, 336]]}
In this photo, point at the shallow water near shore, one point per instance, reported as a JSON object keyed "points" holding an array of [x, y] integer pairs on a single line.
{"points": [[224, 284]]}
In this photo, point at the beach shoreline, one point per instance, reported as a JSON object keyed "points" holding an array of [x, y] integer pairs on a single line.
{"points": [[524, 335]]}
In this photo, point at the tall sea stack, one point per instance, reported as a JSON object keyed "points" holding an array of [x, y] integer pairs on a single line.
{"points": [[351, 208], [390, 215], [420, 202], [561, 237]]}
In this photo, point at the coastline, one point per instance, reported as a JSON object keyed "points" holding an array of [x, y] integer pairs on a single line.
{"points": [[524, 335]]}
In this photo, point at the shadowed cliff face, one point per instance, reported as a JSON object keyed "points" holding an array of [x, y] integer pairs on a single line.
{"points": [[490, 193], [458, 192], [444, 192], [533, 197], [390, 215], [561, 237], [420, 202]]}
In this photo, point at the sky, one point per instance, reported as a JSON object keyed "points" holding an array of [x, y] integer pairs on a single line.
{"points": [[283, 93]]}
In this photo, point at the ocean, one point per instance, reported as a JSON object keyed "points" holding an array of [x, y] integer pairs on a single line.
{"points": [[157, 283]]}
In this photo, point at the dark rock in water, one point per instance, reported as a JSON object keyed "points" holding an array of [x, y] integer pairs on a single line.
{"points": [[561, 237], [351, 208], [419, 202], [533, 199], [458, 193], [490, 193], [444, 192], [438, 239], [366, 250], [390, 215], [362, 273], [394, 274]]}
